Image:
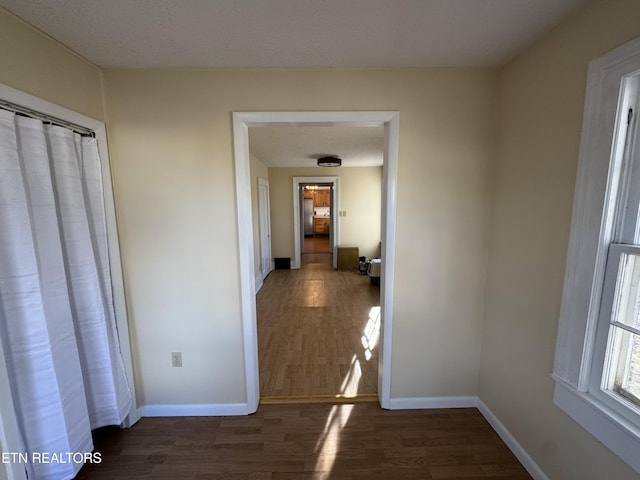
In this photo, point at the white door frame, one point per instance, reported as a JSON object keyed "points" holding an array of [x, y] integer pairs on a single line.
{"points": [[241, 123], [264, 210], [335, 181]]}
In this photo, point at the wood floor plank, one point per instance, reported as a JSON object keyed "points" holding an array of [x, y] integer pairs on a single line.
{"points": [[315, 334], [308, 441]]}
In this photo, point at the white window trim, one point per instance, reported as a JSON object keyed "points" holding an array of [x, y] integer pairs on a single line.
{"points": [[592, 229]]}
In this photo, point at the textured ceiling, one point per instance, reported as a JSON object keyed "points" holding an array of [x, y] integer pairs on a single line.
{"points": [[296, 34], [293, 33]]}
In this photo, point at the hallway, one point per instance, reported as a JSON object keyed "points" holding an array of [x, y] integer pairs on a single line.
{"points": [[317, 331], [316, 244]]}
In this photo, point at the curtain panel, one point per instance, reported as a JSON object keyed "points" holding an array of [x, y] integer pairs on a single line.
{"points": [[57, 320]]}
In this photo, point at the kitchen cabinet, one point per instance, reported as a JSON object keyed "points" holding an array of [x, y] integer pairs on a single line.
{"points": [[307, 193], [320, 226], [322, 198]]}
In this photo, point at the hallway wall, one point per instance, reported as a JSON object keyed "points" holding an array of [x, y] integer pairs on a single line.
{"points": [[36, 64], [360, 197], [170, 135]]}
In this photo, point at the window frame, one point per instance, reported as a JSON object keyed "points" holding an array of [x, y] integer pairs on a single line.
{"points": [[593, 230], [615, 401]]}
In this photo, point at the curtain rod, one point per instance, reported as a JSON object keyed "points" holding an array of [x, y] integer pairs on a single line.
{"points": [[19, 109]]}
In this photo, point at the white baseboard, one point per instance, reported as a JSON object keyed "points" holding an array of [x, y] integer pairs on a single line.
{"points": [[259, 282], [196, 410], [432, 402], [521, 454]]}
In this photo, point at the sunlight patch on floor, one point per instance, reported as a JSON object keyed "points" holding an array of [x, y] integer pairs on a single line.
{"points": [[329, 442], [327, 447], [371, 332], [349, 387]]}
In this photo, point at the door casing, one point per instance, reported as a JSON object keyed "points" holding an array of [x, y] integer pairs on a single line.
{"points": [[297, 207], [390, 121], [264, 225]]}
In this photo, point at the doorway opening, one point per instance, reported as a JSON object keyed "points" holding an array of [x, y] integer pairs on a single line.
{"points": [[241, 123], [325, 228], [318, 327], [316, 215], [318, 332]]}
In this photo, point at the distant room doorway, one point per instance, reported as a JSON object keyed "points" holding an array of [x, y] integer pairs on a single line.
{"points": [[316, 215]]}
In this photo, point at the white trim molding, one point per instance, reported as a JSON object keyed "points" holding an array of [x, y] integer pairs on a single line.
{"points": [[420, 403], [521, 454], [196, 410], [613, 430], [241, 123], [592, 231], [259, 282], [592, 222]]}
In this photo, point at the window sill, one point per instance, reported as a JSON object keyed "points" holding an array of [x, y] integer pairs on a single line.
{"points": [[614, 431]]}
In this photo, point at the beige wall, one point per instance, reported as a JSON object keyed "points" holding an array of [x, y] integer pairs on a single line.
{"points": [[172, 159], [541, 103], [360, 196], [36, 64], [258, 170]]}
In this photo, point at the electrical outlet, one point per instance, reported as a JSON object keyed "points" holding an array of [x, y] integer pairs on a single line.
{"points": [[176, 359]]}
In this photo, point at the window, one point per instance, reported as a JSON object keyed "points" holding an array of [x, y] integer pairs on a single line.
{"points": [[615, 377], [597, 364], [615, 369]]}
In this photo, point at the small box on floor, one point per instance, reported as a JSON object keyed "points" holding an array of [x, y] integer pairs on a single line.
{"points": [[348, 258]]}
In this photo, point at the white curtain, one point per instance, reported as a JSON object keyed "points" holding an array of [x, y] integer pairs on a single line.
{"points": [[57, 320]]}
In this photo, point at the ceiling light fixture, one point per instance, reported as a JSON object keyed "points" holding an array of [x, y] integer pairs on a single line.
{"points": [[330, 161]]}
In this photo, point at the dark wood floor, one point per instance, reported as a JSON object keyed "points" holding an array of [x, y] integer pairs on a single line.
{"points": [[308, 442], [316, 244], [318, 331]]}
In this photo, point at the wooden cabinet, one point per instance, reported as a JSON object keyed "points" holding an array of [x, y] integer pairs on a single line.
{"points": [[321, 226], [322, 198]]}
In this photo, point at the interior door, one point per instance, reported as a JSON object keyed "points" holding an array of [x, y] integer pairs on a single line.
{"points": [[264, 221]]}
